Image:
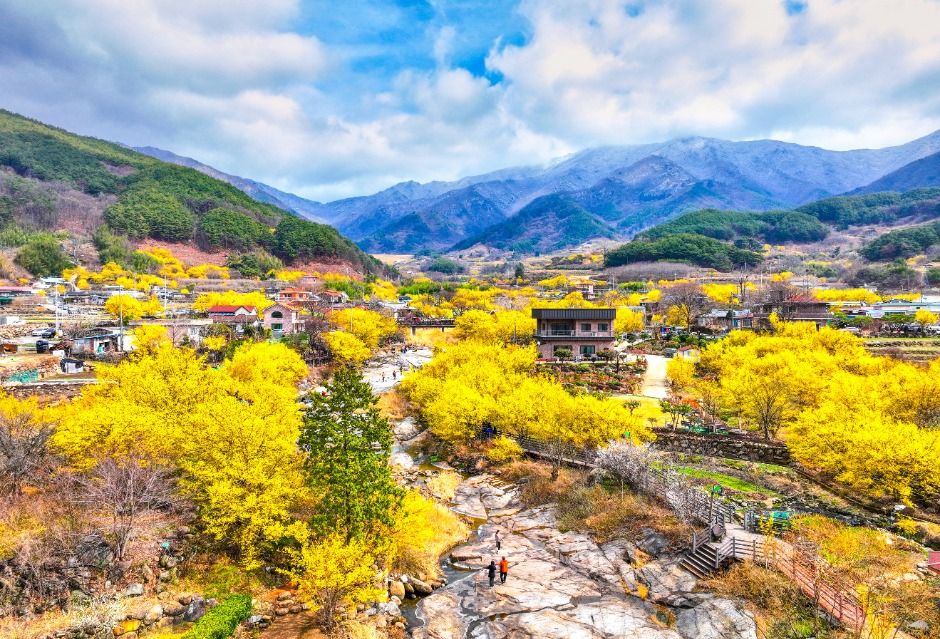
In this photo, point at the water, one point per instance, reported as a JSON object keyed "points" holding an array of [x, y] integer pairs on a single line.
{"points": [[453, 572]]}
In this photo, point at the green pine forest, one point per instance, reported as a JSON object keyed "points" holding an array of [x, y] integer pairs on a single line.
{"points": [[151, 199]]}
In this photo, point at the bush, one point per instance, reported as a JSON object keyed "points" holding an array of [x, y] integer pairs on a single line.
{"points": [[43, 257], [221, 621], [445, 266], [503, 449]]}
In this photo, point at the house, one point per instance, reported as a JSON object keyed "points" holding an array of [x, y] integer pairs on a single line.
{"points": [[237, 315], [584, 332], [295, 296], [96, 341], [70, 365], [180, 330], [282, 319], [794, 308], [727, 319], [334, 298], [689, 353], [901, 307]]}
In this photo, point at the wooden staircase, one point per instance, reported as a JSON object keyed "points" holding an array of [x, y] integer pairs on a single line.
{"points": [[701, 562]]}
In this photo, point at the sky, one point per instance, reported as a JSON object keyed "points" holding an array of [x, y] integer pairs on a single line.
{"points": [[335, 99]]}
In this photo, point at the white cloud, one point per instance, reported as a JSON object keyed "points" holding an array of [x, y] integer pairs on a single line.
{"points": [[233, 83]]}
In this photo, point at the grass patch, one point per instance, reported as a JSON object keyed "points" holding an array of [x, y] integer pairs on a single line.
{"points": [[726, 481], [218, 577]]}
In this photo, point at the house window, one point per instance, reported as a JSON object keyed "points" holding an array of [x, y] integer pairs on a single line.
{"points": [[587, 349], [603, 328], [585, 328], [276, 327], [277, 314], [561, 347]]}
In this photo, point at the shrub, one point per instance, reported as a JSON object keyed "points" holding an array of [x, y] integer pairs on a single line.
{"points": [[43, 257], [445, 266], [221, 621], [503, 449]]}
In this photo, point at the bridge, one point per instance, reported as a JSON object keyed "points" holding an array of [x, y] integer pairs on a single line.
{"points": [[414, 323]]}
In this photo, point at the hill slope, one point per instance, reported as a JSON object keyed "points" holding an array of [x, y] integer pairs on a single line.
{"points": [[257, 190], [921, 173], [715, 238], [624, 188], [45, 171]]}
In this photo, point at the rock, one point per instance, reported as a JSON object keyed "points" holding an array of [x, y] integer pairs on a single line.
{"points": [[421, 587], [409, 588], [280, 612], [652, 543], [402, 460], [173, 610], [396, 589], [195, 610], [134, 590], [296, 608], [118, 630], [184, 599], [154, 614], [168, 561], [665, 577], [148, 573], [389, 608], [405, 429], [716, 619], [919, 626], [466, 554], [284, 596]]}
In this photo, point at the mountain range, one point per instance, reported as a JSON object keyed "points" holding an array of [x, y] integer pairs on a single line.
{"points": [[612, 192]]}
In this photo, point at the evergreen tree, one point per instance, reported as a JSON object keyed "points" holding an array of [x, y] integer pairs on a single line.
{"points": [[347, 444]]}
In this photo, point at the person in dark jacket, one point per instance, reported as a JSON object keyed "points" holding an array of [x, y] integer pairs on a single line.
{"points": [[499, 542], [491, 573]]}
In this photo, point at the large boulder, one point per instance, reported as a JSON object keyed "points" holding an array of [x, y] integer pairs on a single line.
{"points": [[421, 587], [716, 619], [652, 543], [664, 578], [396, 589]]}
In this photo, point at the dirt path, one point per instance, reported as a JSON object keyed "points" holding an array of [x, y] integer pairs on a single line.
{"points": [[654, 380], [299, 626]]}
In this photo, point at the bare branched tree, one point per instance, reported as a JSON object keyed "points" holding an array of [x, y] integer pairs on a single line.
{"points": [[23, 449], [123, 491], [689, 297]]}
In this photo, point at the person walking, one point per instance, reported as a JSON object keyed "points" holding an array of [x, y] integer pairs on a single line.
{"points": [[503, 570], [499, 543], [491, 573]]}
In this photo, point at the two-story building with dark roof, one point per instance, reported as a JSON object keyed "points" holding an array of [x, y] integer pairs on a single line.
{"points": [[582, 331]]}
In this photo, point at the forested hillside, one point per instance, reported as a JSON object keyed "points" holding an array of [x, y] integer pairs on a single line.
{"points": [[713, 238], [50, 177]]}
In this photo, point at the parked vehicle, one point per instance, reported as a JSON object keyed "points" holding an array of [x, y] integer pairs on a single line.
{"points": [[46, 332]]}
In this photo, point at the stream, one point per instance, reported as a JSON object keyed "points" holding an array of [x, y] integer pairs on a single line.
{"points": [[561, 585]]}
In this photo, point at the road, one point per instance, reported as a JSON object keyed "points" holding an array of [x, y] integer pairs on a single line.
{"points": [[654, 380]]}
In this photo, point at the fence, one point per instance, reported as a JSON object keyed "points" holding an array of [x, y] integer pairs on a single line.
{"points": [[808, 571]]}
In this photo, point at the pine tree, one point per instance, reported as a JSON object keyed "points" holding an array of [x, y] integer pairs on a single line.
{"points": [[347, 444]]}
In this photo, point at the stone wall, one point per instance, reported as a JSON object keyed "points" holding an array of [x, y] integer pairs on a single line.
{"points": [[727, 447]]}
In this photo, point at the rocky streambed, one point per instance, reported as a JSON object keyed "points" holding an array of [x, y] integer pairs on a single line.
{"points": [[561, 585]]}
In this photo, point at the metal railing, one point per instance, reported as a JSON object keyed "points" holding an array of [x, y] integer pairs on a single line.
{"points": [[566, 333]]}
